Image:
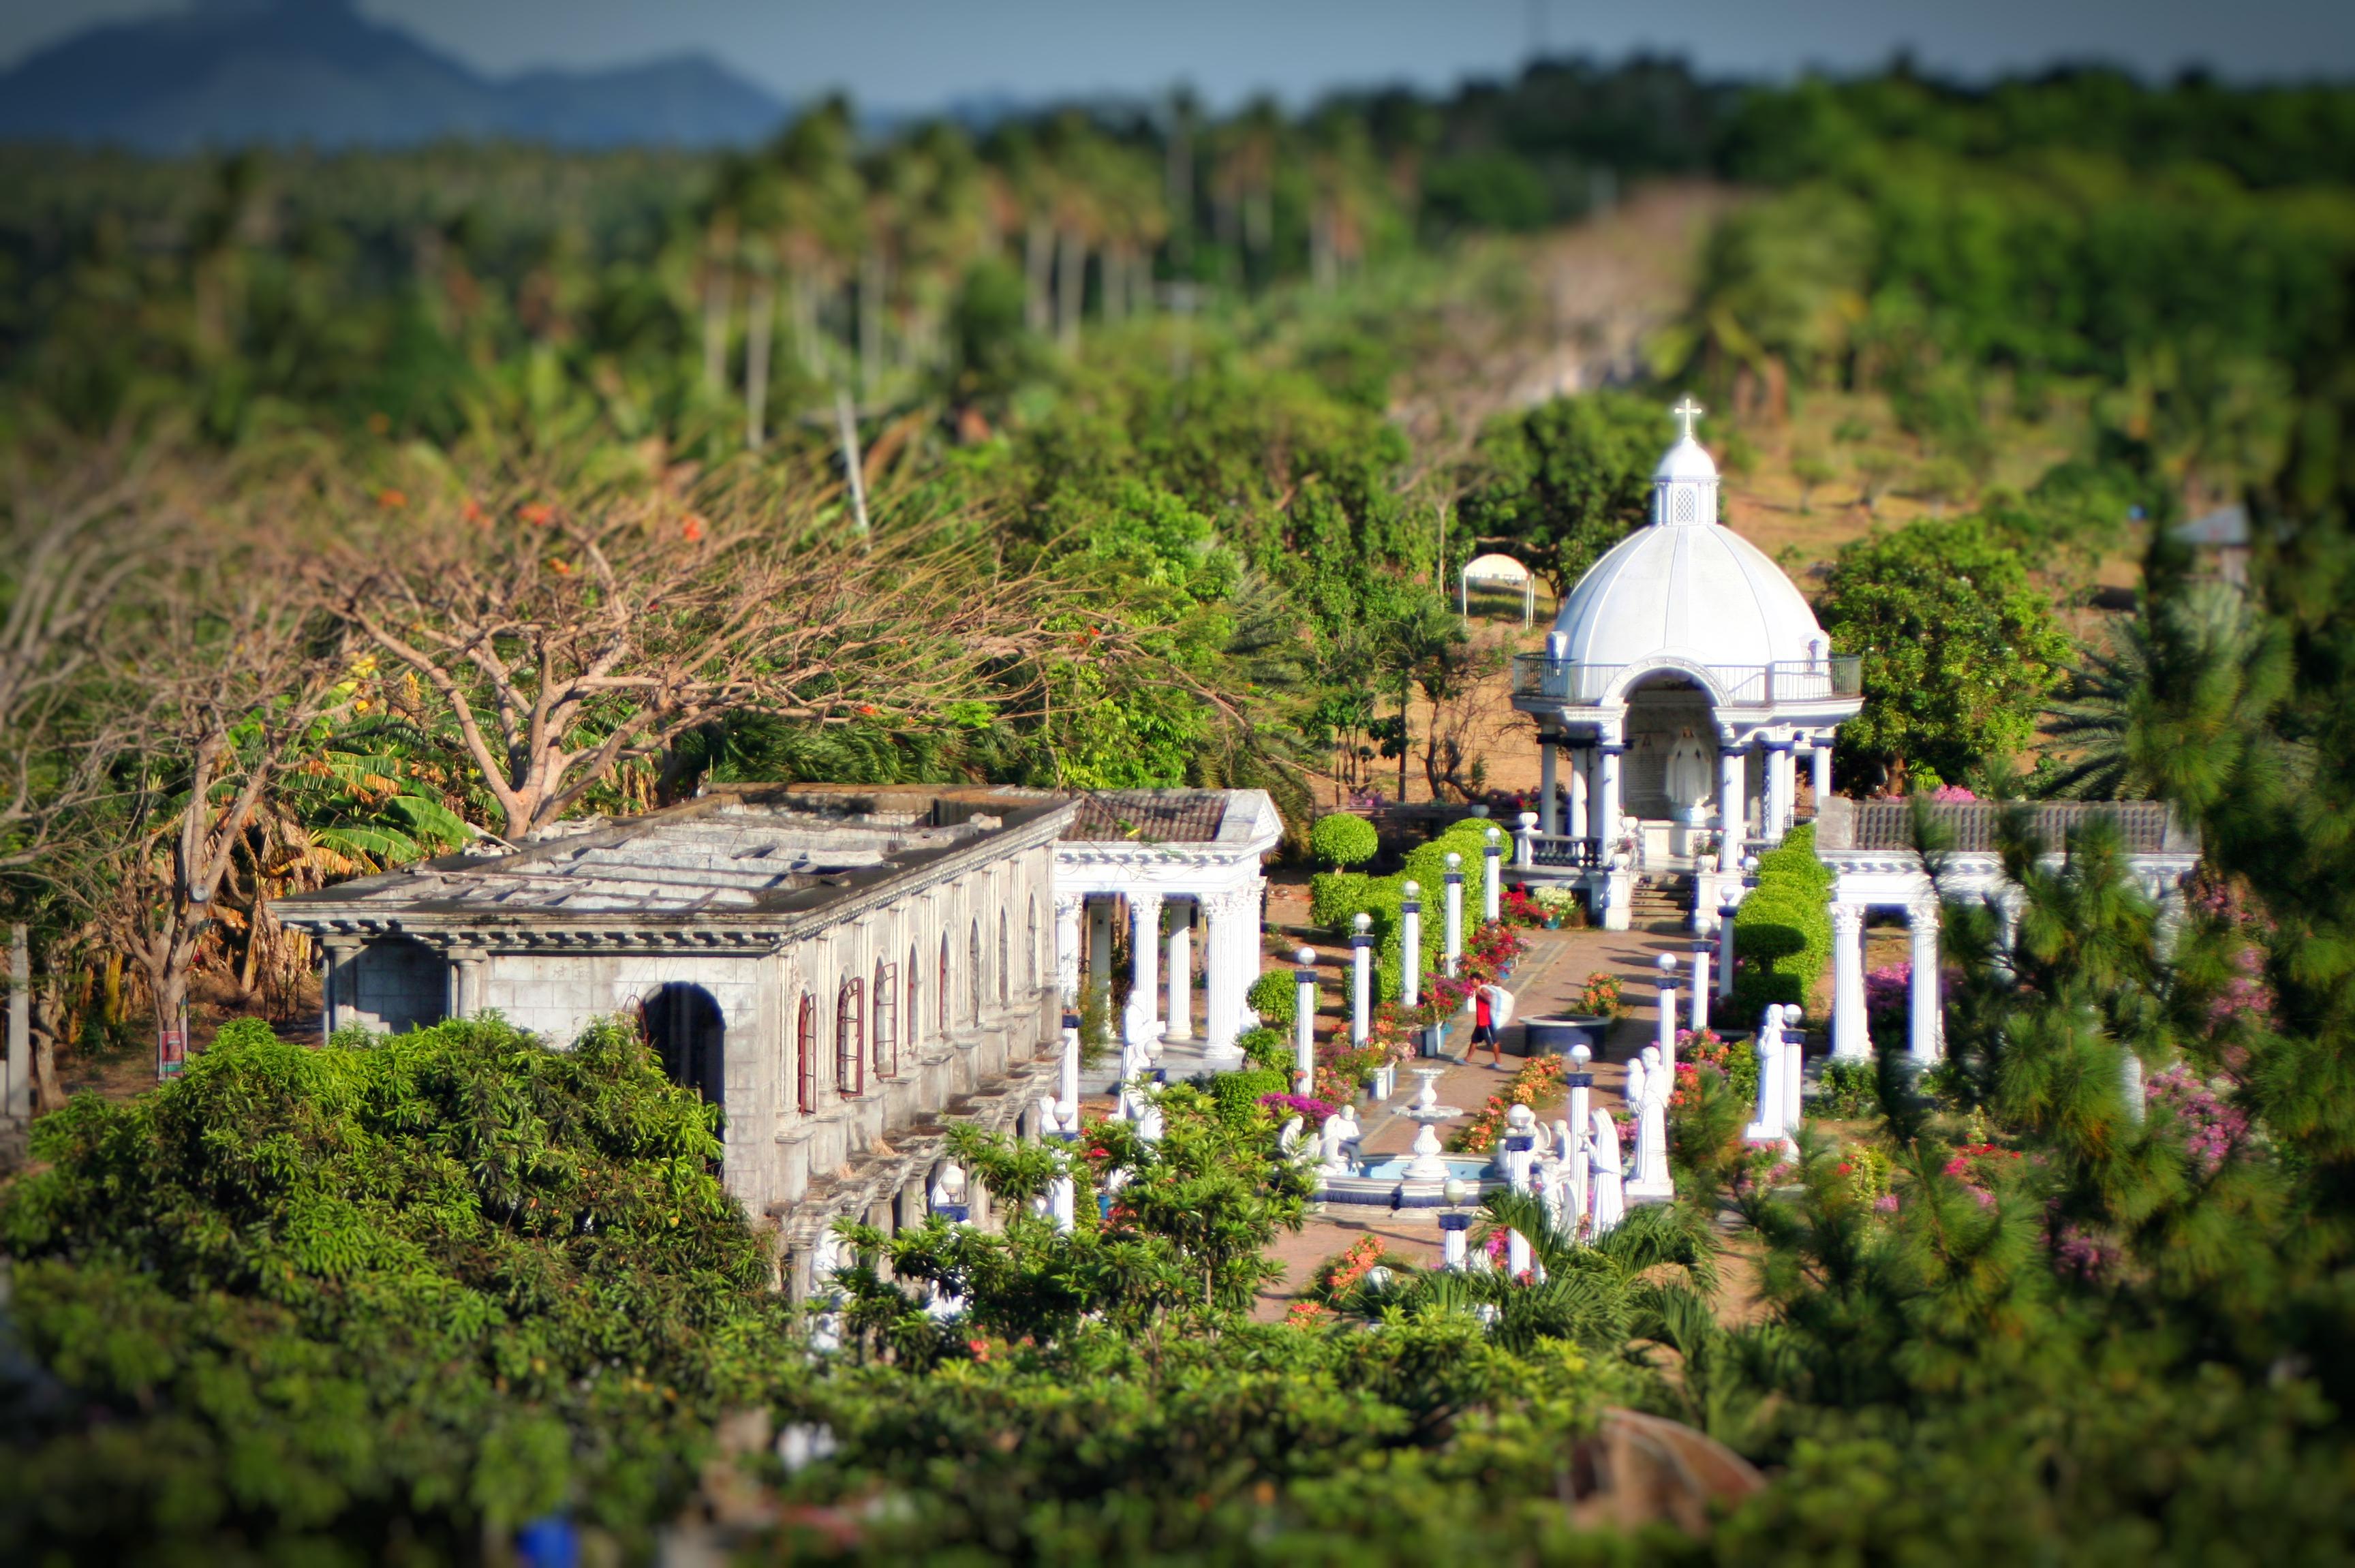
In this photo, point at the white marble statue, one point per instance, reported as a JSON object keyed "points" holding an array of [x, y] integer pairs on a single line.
{"points": [[1333, 1140], [1688, 777], [1287, 1142], [1768, 1129], [1603, 1148], [1651, 1177]]}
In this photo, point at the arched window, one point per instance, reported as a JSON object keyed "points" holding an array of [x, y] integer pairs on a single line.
{"points": [[885, 1032], [946, 993], [1031, 969], [1005, 960], [850, 1039], [973, 974], [805, 1056], [915, 1018]]}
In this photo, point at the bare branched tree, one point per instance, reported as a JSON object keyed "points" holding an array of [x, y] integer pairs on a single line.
{"points": [[70, 541], [567, 635], [238, 676]]}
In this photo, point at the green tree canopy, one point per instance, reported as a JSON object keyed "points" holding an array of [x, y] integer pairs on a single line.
{"points": [[1959, 651], [1564, 482]]}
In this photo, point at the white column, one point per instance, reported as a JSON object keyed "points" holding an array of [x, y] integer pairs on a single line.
{"points": [[16, 1097], [1701, 952], [1606, 810], [1547, 757], [473, 967], [1726, 910], [1580, 775], [1525, 844], [1667, 963], [1850, 1038], [1181, 972], [1224, 980], [1794, 1050], [1922, 1011], [1819, 765], [1411, 945], [1733, 785], [1779, 776], [334, 963], [1145, 955], [1455, 927], [1361, 979], [1304, 1021], [1492, 882], [1099, 947], [1067, 949]]}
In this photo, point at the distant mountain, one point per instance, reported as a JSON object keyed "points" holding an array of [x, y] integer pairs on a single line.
{"points": [[315, 72]]}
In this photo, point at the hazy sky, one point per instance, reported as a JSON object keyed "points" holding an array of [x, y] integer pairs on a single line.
{"points": [[912, 54]]}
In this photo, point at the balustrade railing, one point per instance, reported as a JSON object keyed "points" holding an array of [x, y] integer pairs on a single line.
{"points": [[1742, 686]]}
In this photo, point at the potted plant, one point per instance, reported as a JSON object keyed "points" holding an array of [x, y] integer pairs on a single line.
{"points": [[1599, 1005]]}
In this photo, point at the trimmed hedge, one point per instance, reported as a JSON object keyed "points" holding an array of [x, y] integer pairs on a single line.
{"points": [[1342, 839], [1783, 931], [1274, 996], [1237, 1094]]}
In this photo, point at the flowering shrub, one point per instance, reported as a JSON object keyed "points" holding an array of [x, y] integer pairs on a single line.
{"points": [[2080, 1252], [1599, 998], [2212, 1128], [1339, 1274], [1868, 1171], [1491, 950], [1532, 1086], [1978, 1167], [1520, 909], [1951, 794], [1734, 1061], [1285, 1105], [1888, 993]]}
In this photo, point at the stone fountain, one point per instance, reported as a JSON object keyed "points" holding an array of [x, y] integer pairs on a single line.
{"points": [[1426, 1106]]}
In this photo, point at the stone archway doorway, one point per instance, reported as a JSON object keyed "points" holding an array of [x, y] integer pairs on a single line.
{"points": [[684, 1025]]}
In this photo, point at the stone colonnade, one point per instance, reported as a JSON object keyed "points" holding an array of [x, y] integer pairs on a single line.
{"points": [[1584, 799], [1169, 933]]}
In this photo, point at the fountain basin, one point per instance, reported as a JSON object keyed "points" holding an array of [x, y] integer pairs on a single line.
{"points": [[1383, 1182], [1554, 1035]]}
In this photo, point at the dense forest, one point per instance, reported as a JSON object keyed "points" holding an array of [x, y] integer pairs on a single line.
{"points": [[364, 507]]}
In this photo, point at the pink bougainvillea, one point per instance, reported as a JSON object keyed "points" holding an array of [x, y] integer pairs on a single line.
{"points": [[2211, 1129]]}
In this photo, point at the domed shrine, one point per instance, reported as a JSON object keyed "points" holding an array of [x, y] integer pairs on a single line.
{"points": [[1683, 678]]}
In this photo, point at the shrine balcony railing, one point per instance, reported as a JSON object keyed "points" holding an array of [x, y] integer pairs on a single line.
{"points": [[1745, 686], [1975, 828], [1561, 851]]}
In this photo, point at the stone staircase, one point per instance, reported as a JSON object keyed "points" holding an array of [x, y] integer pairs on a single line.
{"points": [[1661, 904]]}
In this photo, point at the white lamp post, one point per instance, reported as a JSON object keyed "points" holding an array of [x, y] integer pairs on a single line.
{"points": [[1362, 978], [1304, 1026], [1667, 963], [1700, 950], [1492, 887], [1454, 879], [1410, 944]]}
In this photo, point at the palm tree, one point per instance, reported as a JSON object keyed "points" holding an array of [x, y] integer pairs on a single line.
{"points": [[1635, 1284], [2107, 714]]}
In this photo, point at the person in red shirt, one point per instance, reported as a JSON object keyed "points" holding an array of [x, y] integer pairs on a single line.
{"points": [[1484, 1028]]}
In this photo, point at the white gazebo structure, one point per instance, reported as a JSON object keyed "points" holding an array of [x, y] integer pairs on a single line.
{"points": [[1176, 862], [1875, 864], [1683, 676], [1495, 571]]}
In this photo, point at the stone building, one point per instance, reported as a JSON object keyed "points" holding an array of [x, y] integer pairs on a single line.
{"points": [[843, 969]]}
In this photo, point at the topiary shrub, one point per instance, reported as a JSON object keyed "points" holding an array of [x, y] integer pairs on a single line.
{"points": [[1266, 1048], [1783, 931], [1334, 897], [1274, 996], [1342, 840], [1237, 1094]]}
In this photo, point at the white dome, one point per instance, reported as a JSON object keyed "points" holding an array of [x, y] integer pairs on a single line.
{"points": [[1696, 594], [1687, 460]]}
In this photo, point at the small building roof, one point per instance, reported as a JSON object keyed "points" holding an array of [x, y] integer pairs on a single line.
{"points": [[1495, 567], [1148, 816]]}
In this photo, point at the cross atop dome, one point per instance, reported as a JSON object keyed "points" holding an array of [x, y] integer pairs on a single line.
{"points": [[1688, 411]]}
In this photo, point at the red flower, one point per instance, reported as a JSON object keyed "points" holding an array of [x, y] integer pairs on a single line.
{"points": [[537, 514], [692, 529], [980, 1349]]}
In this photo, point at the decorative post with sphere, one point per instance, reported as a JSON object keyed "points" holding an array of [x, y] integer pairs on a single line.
{"points": [[1492, 896], [1411, 945], [1303, 1023], [1667, 963], [1454, 913], [1700, 953], [1362, 978]]}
